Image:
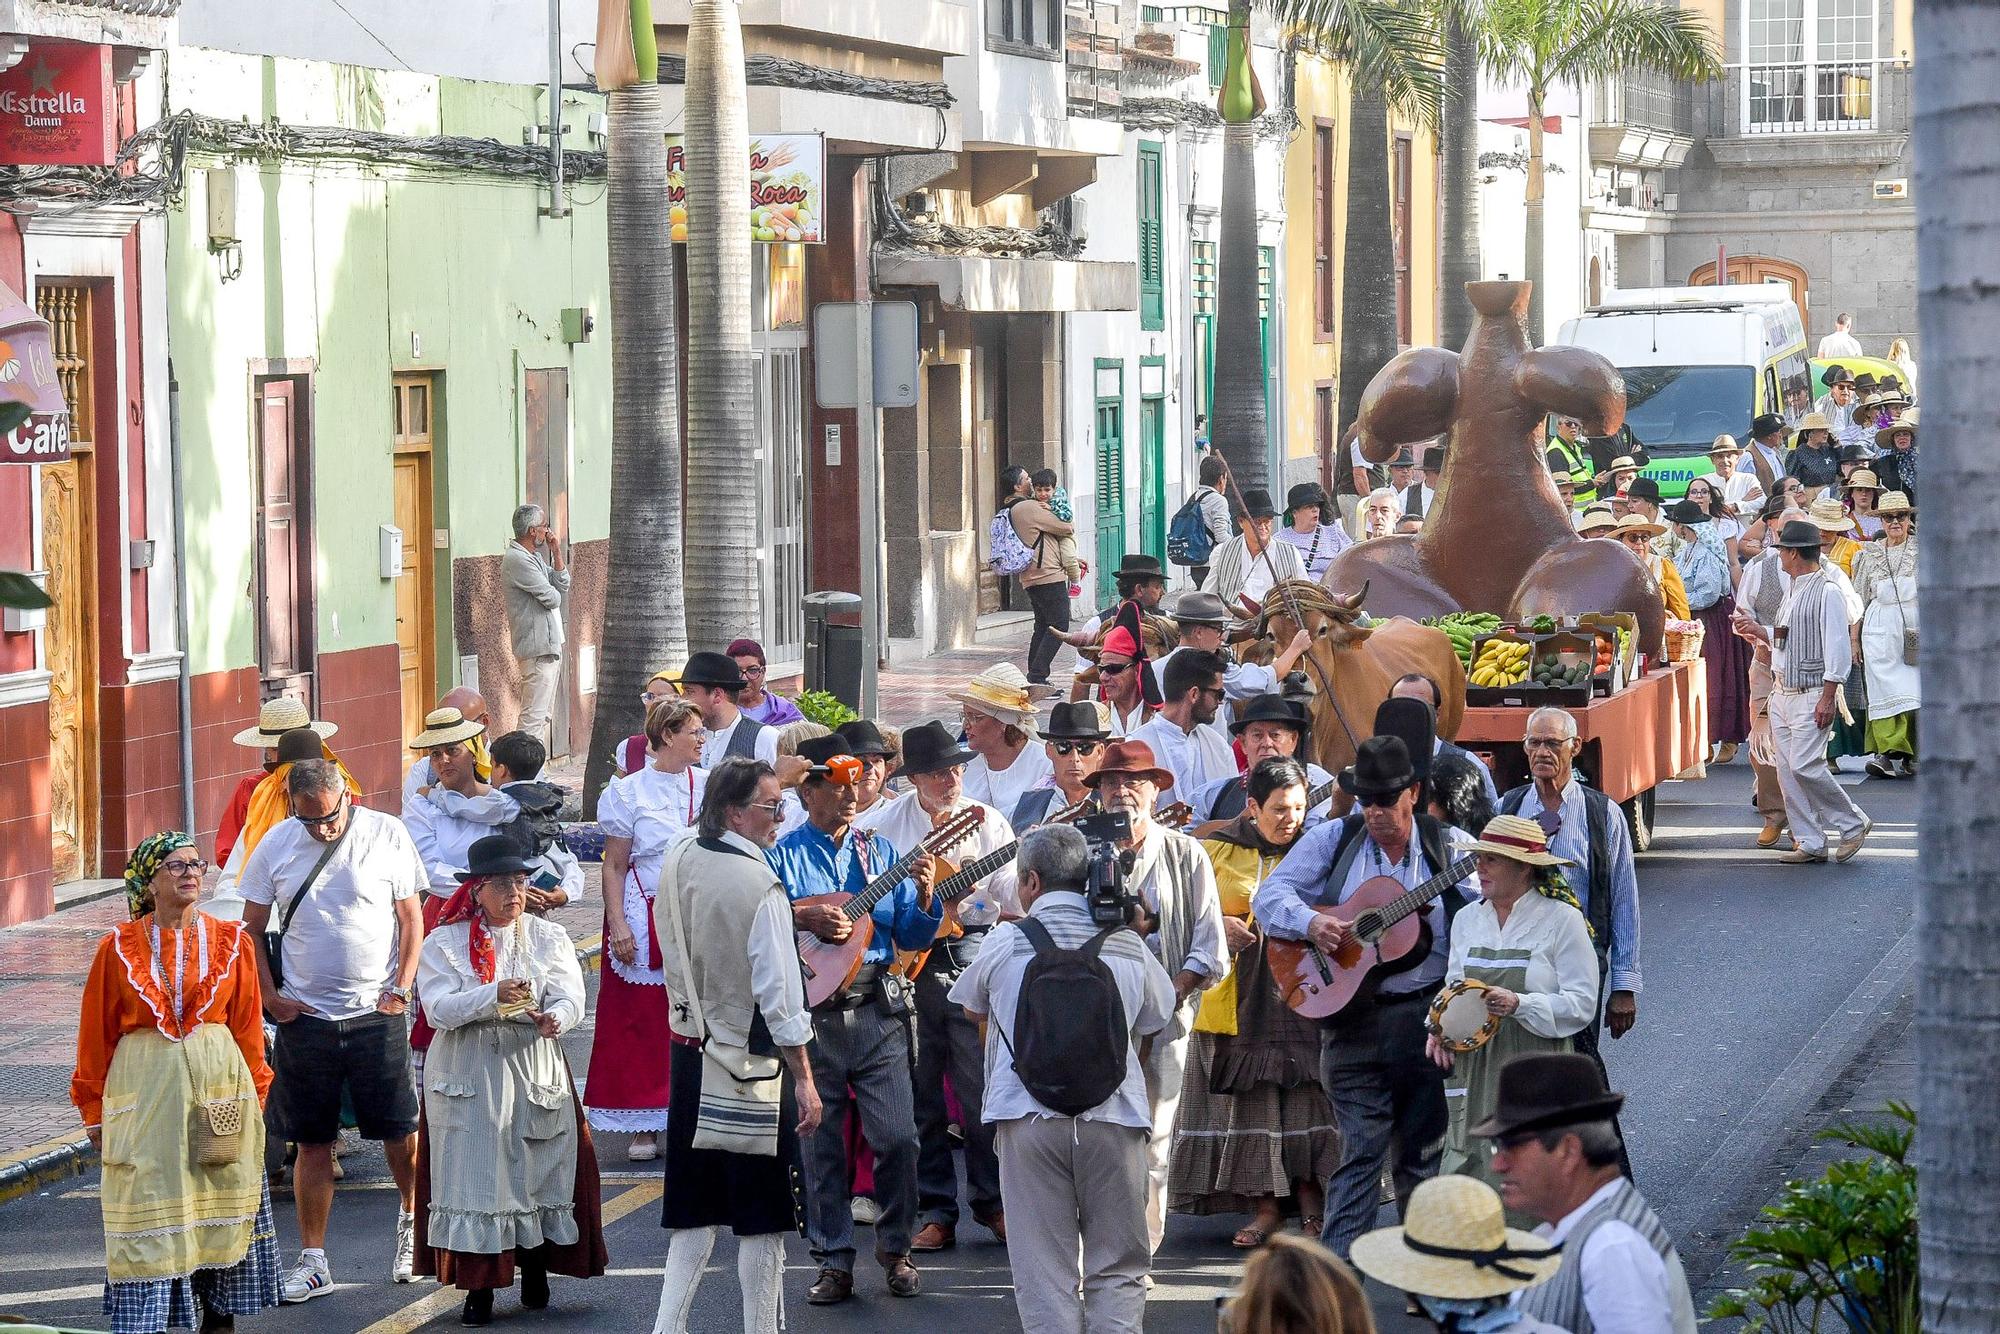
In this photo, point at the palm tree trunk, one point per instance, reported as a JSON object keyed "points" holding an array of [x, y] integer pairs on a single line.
{"points": [[1368, 255], [1240, 430], [644, 624], [1957, 153], [723, 597], [1460, 263], [1534, 258]]}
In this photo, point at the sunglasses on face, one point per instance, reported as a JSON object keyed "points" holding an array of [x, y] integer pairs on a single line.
{"points": [[1379, 801], [1112, 668], [1635, 539], [321, 821], [1083, 748]]}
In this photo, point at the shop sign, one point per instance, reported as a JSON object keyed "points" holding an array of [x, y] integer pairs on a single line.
{"points": [[57, 108], [787, 185], [43, 438]]}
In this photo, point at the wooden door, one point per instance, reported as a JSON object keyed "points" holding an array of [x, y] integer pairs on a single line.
{"points": [[284, 563], [416, 598], [70, 645], [548, 486], [1758, 269], [1153, 476]]}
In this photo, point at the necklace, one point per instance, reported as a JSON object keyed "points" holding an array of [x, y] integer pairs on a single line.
{"points": [[180, 967]]}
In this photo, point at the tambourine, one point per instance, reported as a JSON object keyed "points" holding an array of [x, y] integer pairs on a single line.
{"points": [[1459, 1019]]}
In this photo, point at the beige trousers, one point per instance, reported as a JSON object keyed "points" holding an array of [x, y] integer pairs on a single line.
{"points": [[1075, 1194], [539, 677], [1165, 1070]]}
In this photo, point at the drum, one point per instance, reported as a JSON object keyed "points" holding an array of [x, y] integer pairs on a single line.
{"points": [[1459, 1019]]}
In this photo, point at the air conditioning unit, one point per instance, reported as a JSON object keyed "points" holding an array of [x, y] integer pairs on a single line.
{"points": [[1670, 202]]}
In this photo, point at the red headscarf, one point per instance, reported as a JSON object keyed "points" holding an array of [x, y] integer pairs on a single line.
{"points": [[463, 906]]}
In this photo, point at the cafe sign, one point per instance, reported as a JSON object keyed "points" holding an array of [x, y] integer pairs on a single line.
{"points": [[28, 384], [787, 187], [57, 108]]}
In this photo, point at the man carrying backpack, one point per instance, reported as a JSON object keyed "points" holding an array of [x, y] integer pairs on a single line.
{"points": [[1065, 1004], [1201, 524], [1025, 540]]}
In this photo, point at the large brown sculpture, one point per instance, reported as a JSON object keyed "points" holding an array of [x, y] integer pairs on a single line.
{"points": [[1498, 537]]}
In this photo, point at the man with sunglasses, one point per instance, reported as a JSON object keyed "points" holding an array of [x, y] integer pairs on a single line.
{"points": [[947, 1042], [1074, 742], [1588, 829], [343, 884], [1383, 1088], [1180, 734], [1204, 626], [1268, 727], [1120, 683], [861, 1034]]}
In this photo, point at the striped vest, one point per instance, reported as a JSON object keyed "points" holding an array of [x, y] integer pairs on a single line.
{"points": [[1559, 1301]]}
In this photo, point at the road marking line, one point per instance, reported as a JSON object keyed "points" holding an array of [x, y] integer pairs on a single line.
{"points": [[1765, 856], [420, 1312], [81, 1292]]}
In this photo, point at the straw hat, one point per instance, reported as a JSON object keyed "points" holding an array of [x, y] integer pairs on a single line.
{"points": [[1863, 479], [1724, 444], [1885, 437], [1001, 691], [1637, 523], [1562, 479], [1513, 837], [1623, 463], [1455, 1243], [1829, 516], [1893, 502], [277, 717], [442, 727], [1596, 519], [1812, 421]]}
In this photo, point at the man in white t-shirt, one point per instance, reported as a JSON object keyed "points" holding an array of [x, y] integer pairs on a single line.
{"points": [[341, 884], [1841, 342]]}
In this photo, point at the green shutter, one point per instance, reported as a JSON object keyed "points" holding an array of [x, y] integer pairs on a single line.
{"points": [[1110, 479], [1218, 53], [1152, 256]]}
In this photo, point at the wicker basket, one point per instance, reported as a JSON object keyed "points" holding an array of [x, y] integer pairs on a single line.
{"points": [[1684, 645]]}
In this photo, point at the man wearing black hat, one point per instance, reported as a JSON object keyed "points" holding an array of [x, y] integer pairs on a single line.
{"points": [[1267, 726], [1767, 450], [1139, 578], [1247, 564], [1372, 1061], [711, 682], [1204, 623], [948, 1042], [1074, 740], [1556, 1151], [1418, 496], [861, 1036], [866, 743]]}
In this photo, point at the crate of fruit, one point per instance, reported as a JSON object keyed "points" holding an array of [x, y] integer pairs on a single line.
{"points": [[1562, 665], [1500, 665], [1625, 663]]}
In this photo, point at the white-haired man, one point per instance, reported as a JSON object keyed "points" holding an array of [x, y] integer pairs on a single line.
{"points": [[536, 576]]}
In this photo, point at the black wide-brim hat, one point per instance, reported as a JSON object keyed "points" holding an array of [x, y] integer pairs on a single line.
{"points": [[929, 748], [1138, 565], [1766, 423], [1075, 721], [1800, 535], [1268, 709], [1257, 504], [1643, 488], [1834, 375], [1688, 512], [864, 738], [1433, 458], [821, 751], [714, 670], [495, 854], [1414, 723], [1305, 493], [1381, 768], [1543, 1090]]}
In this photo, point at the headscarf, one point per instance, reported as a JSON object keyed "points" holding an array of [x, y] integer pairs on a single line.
{"points": [[1550, 883], [147, 859], [463, 906], [270, 803], [482, 760]]}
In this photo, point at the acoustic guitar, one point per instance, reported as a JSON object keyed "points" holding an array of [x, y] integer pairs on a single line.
{"points": [[831, 964], [1386, 929]]}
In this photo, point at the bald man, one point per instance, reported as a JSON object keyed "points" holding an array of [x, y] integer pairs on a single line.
{"points": [[471, 706]]}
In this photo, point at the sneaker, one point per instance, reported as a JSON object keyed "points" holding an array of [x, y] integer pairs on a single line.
{"points": [[405, 1268], [1802, 857], [864, 1210], [308, 1280]]}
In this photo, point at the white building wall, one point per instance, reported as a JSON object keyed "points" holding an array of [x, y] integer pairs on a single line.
{"points": [[504, 41], [1503, 198]]}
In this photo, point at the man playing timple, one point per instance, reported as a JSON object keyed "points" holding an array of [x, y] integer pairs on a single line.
{"points": [[345, 882], [1556, 1150], [947, 1042], [1182, 917], [860, 1037], [1180, 734], [1372, 1059], [1268, 727], [1078, 1183], [536, 580]]}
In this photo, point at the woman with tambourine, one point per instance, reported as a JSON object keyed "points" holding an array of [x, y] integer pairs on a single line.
{"points": [[1522, 978]]}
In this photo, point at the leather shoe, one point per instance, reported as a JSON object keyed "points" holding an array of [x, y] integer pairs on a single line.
{"points": [[902, 1276], [833, 1285], [478, 1308], [534, 1287], [934, 1237], [1773, 831], [1852, 843], [995, 1222], [1801, 857]]}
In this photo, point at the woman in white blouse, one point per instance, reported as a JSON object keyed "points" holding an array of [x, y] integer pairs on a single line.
{"points": [[1527, 941], [641, 814], [507, 1174]]}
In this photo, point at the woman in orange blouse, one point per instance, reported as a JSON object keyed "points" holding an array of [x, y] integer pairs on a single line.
{"points": [[171, 1044]]}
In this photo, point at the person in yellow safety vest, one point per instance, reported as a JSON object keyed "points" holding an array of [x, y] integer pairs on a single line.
{"points": [[1566, 454]]}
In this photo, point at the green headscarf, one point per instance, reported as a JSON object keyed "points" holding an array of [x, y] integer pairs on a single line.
{"points": [[147, 859]]}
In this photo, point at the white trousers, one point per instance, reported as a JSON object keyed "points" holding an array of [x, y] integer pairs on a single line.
{"points": [[1814, 801], [1165, 1070], [1073, 1191], [539, 678]]}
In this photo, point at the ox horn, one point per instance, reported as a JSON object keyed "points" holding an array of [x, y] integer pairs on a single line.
{"points": [[1353, 601]]}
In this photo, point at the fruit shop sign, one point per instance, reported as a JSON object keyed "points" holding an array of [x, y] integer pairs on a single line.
{"points": [[787, 184], [58, 108]]}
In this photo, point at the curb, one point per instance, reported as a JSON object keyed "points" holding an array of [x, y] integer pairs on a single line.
{"points": [[27, 1175]]}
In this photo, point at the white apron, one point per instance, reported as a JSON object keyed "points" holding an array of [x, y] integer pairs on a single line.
{"points": [[1892, 683]]}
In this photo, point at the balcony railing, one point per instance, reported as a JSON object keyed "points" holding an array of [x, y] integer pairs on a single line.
{"points": [[1807, 97], [1648, 101]]}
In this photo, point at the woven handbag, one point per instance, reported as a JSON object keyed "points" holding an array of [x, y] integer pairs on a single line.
{"points": [[218, 1123]]}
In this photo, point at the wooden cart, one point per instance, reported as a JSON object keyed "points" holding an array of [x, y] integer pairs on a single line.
{"points": [[1633, 741]]}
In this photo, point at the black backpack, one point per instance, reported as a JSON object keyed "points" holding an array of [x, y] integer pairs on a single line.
{"points": [[1070, 1031], [536, 828]]}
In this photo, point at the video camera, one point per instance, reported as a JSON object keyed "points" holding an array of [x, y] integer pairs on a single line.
{"points": [[1112, 901]]}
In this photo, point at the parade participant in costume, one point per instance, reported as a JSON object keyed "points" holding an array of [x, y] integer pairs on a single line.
{"points": [[1768, 433], [1556, 1151], [445, 836], [1838, 404], [471, 706], [999, 721], [1526, 940], [1706, 492], [1707, 578], [1307, 511], [1596, 521], [1182, 919], [270, 805], [1838, 550], [1127, 678], [1419, 496], [642, 814], [1268, 727], [1637, 533], [757, 702], [275, 718], [1459, 1261], [1898, 465], [634, 751], [1372, 1053], [1074, 741], [1254, 1131], [948, 1044], [732, 969], [1182, 735], [1204, 623], [1758, 596], [1885, 579], [508, 1174], [169, 1078], [861, 1035], [1815, 455], [1139, 578], [1239, 569], [712, 681]]}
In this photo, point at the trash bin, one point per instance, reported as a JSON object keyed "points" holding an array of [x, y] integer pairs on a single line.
{"points": [[833, 645]]}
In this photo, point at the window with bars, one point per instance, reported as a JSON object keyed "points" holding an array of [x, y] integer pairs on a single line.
{"points": [[1202, 262], [1037, 24], [1809, 65], [67, 308], [1152, 256]]}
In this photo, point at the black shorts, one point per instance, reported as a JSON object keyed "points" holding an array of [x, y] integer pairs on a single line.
{"points": [[369, 1058]]}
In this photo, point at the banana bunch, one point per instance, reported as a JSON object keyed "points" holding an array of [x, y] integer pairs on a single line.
{"points": [[1463, 627], [1501, 663]]}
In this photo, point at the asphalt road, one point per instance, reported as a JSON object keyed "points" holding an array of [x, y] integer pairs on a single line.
{"points": [[1764, 983]]}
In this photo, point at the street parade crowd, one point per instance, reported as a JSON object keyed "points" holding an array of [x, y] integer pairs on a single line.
{"points": [[1131, 953]]}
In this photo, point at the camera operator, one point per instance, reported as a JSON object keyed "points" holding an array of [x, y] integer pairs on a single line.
{"points": [[1181, 917], [1076, 1185]]}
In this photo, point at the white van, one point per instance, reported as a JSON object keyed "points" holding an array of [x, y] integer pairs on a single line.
{"points": [[1698, 362]]}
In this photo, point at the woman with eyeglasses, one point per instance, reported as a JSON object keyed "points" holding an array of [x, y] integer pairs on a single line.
{"points": [[1255, 1132], [1885, 578], [170, 1079], [1636, 533], [642, 814], [1074, 740], [755, 700], [635, 750]]}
